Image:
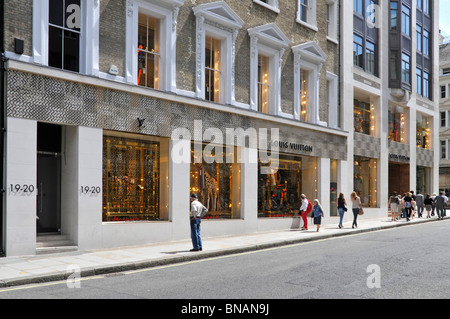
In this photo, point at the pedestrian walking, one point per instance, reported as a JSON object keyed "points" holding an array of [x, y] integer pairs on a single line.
{"points": [[394, 203], [196, 211], [342, 208], [420, 204], [356, 205], [433, 206], [317, 213], [304, 210], [428, 202], [407, 205], [439, 203]]}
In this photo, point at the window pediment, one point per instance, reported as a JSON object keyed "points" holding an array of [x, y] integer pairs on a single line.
{"points": [[167, 3], [220, 13], [270, 34], [310, 51]]}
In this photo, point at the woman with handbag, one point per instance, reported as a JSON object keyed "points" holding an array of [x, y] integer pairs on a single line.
{"points": [[356, 206], [341, 205]]}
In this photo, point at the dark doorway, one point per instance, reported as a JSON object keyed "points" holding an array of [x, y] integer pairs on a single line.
{"points": [[48, 178], [398, 178]]}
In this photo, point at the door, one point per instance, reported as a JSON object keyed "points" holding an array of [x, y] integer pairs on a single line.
{"points": [[48, 202], [48, 198]]}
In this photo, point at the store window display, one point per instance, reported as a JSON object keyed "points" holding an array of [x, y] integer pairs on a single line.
{"points": [[365, 180], [132, 185], [279, 192], [215, 178]]}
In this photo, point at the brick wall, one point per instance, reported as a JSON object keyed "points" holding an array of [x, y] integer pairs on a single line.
{"points": [[256, 15], [19, 24], [112, 35]]}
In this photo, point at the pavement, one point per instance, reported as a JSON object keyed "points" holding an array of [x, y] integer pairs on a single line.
{"points": [[23, 270]]}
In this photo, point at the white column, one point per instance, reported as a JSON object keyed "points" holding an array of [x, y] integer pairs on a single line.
{"points": [[323, 184], [81, 167], [249, 188], [21, 169], [179, 185]]}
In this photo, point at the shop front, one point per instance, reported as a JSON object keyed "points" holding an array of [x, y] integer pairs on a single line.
{"points": [[118, 182]]}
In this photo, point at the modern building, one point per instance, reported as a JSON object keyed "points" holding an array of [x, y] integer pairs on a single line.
{"points": [[444, 130], [116, 111], [107, 102], [390, 77]]}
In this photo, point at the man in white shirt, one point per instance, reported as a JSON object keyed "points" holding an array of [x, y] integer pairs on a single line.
{"points": [[196, 210]]}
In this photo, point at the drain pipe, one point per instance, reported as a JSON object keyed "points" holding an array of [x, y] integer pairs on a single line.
{"points": [[3, 60]]}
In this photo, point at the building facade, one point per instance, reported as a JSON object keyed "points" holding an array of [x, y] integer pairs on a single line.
{"points": [[444, 98], [390, 78], [116, 111]]}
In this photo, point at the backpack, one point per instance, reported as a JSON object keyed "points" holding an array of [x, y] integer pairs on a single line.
{"points": [[310, 207], [203, 212]]}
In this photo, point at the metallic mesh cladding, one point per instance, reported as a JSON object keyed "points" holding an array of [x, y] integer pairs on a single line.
{"points": [[43, 98]]}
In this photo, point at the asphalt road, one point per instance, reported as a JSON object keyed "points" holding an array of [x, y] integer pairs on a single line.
{"points": [[401, 263]]}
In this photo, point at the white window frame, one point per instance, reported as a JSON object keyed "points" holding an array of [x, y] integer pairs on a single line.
{"points": [[309, 56], [89, 39], [332, 34], [333, 104], [311, 17], [219, 21], [271, 5], [270, 41], [167, 13]]}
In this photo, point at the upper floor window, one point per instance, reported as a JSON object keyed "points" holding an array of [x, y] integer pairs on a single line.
{"points": [[426, 6], [358, 6], [148, 51], [64, 34], [406, 68], [426, 42], [150, 43], [397, 124], [270, 4], [212, 69], [306, 13], [358, 50], [394, 15], [406, 20], [332, 20], [267, 47], [308, 61], [364, 117], [263, 83], [217, 27]]}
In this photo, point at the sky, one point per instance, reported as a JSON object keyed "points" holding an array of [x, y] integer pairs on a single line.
{"points": [[444, 17]]}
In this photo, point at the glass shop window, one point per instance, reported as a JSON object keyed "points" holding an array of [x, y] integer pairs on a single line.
{"points": [[364, 118], [216, 179], [365, 180], [279, 192], [64, 34], [132, 183]]}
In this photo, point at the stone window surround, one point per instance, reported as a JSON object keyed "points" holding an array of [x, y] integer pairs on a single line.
{"points": [[167, 11], [219, 21], [89, 41], [269, 40]]}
